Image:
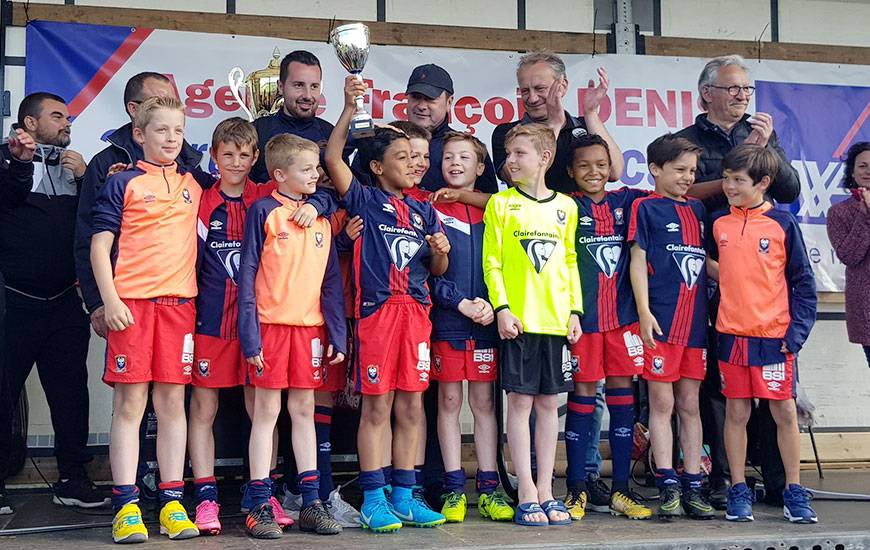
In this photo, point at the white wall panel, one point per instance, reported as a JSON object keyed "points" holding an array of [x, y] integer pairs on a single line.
{"points": [[825, 22], [731, 20]]}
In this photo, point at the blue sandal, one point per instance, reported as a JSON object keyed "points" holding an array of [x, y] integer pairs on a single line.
{"points": [[556, 506], [529, 508]]}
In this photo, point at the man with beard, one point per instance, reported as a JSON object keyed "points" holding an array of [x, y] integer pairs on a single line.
{"points": [[430, 96], [299, 82], [46, 323]]}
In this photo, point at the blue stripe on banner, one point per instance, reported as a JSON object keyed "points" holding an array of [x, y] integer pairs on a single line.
{"points": [[63, 57]]}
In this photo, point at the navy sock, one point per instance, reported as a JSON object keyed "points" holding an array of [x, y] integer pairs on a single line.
{"points": [[665, 476], [691, 481], [577, 423], [372, 480], [122, 495], [205, 488], [620, 405], [309, 485], [403, 482], [454, 481], [322, 427], [276, 476], [486, 482], [419, 478], [169, 491], [257, 491], [388, 475]]}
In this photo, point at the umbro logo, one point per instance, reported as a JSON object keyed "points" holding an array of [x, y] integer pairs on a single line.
{"points": [[690, 265], [606, 256], [672, 227], [389, 208], [402, 248], [538, 251], [585, 220], [216, 225]]}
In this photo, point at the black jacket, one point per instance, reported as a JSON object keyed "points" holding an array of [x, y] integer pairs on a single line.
{"points": [[786, 186], [121, 148]]}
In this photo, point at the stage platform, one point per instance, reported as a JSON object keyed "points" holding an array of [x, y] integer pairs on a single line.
{"points": [[843, 525]]}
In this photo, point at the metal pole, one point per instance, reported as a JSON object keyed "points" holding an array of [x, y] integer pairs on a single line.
{"points": [[623, 22]]}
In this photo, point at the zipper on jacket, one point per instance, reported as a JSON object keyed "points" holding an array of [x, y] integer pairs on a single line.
{"points": [[471, 260], [163, 171]]}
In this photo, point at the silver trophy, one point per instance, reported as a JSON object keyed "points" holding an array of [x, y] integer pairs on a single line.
{"points": [[351, 43]]}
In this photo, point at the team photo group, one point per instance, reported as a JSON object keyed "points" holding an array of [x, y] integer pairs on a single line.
{"points": [[326, 255]]}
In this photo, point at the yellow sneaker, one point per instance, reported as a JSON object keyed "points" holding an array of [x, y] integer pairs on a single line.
{"points": [[175, 523], [576, 503], [495, 507], [622, 504], [455, 507], [128, 527]]}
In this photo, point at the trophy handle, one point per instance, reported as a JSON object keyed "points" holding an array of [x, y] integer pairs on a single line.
{"points": [[236, 78]]}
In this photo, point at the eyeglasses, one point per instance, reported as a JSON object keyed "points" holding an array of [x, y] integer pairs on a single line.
{"points": [[734, 91]]}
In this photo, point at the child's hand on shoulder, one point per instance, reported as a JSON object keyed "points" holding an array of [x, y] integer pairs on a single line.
{"points": [[509, 325], [439, 243], [445, 194], [648, 325], [304, 215], [574, 330], [478, 310], [118, 316]]}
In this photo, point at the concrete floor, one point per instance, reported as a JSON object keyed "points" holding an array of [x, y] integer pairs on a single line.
{"points": [[842, 525]]}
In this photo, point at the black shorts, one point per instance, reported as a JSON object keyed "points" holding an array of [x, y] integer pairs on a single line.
{"points": [[535, 364]]}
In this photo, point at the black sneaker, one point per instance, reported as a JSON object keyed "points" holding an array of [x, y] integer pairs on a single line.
{"points": [[79, 491], [317, 518], [669, 501], [696, 505], [599, 495], [260, 523], [719, 493], [5, 505]]}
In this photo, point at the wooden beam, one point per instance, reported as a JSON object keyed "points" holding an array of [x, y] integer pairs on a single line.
{"points": [[696, 47], [300, 28]]}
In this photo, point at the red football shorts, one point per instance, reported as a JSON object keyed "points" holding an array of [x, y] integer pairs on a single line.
{"points": [[775, 382], [157, 347], [393, 348], [617, 352], [292, 358], [335, 376], [218, 363], [474, 365], [670, 362]]}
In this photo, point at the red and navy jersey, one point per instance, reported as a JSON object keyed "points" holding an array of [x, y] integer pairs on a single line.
{"points": [[220, 228], [603, 257], [391, 257], [672, 234]]}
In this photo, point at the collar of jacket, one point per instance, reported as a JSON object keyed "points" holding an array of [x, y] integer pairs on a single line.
{"points": [[122, 138]]}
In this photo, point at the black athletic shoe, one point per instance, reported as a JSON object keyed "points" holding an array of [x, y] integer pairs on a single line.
{"points": [[260, 522], [599, 495], [79, 491], [317, 518], [669, 501], [5, 505], [696, 505], [719, 493]]}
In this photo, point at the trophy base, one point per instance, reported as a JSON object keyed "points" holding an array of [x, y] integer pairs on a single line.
{"points": [[362, 126]]}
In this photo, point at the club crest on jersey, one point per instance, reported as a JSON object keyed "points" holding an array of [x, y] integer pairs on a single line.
{"points": [[618, 216], [561, 216], [202, 367], [402, 248], [606, 256], [120, 363], [185, 194], [372, 372], [417, 220], [658, 366], [318, 239], [691, 265], [578, 132], [538, 251], [763, 245], [231, 258]]}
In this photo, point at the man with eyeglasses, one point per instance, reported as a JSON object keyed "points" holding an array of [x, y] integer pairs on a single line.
{"points": [[724, 91]]}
